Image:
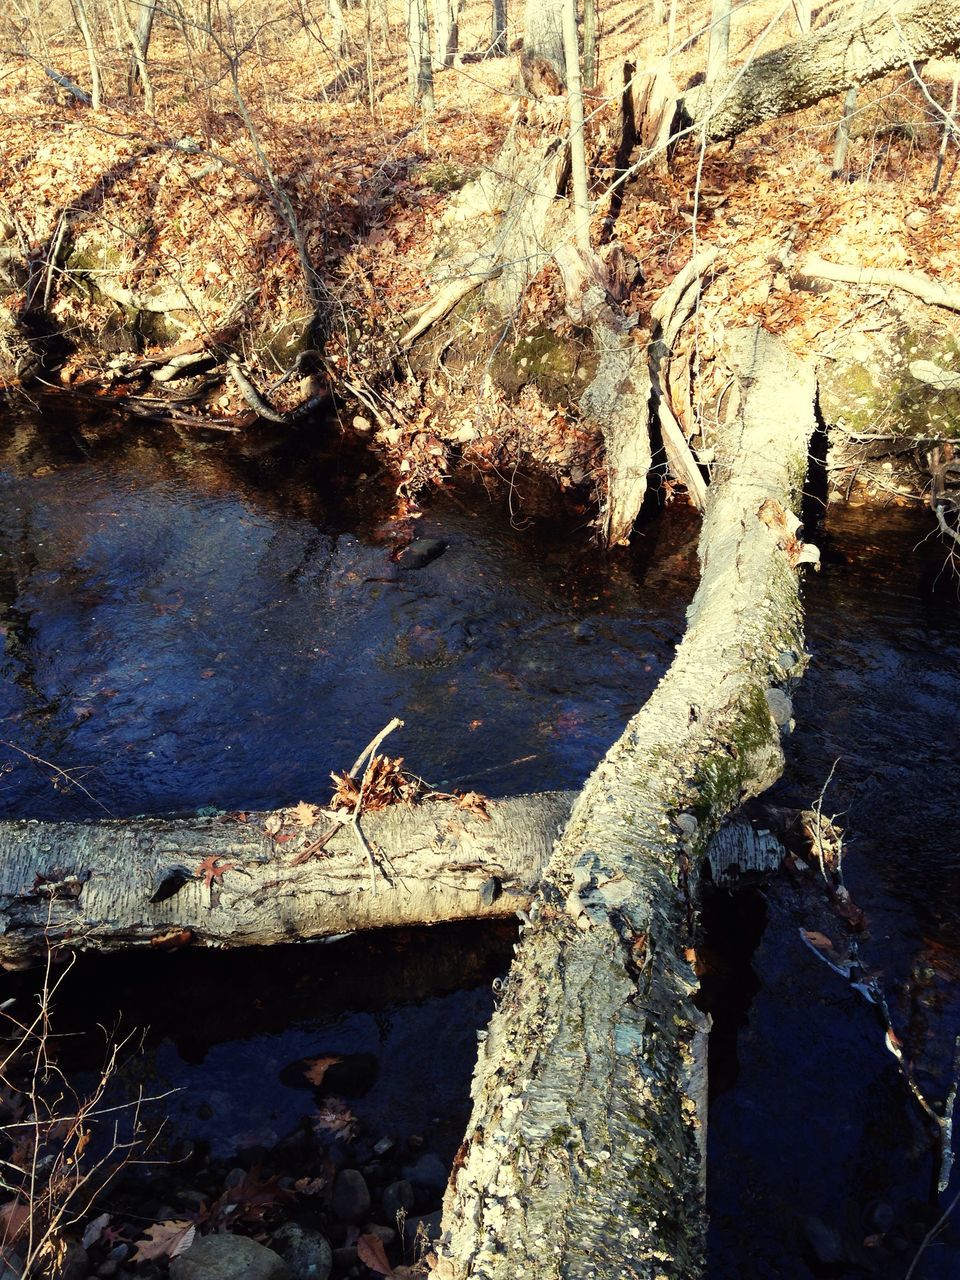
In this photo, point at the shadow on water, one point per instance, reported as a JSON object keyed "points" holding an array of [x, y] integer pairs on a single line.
{"points": [[821, 1163], [207, 622]]}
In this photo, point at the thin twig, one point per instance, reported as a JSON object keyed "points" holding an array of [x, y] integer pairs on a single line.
{"points": [[48, 764]]}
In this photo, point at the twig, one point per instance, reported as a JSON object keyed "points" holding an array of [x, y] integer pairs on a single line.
{"points": [[932, 1234], [48, 764], [818, 810], [371, 747], [368, 753]]}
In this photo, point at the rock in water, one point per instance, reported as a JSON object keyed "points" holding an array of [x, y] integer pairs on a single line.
{"points": [[421, 552], [227, 1257], [306, 1252], [351, 1199]]}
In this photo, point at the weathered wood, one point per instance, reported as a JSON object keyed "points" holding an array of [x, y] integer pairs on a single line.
{"points": [[581, 1158], [852, 50], [934, 292], [437, 858]]}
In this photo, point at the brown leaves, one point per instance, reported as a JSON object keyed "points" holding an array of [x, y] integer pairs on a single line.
{"points": [[304, 814], [316, 1068], [165, 1240], [211, 873], [473, 802], [384, 783], [335, 1120], [372, 1254]]}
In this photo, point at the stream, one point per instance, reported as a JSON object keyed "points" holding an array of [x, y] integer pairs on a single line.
{"points": [[194, 622]]}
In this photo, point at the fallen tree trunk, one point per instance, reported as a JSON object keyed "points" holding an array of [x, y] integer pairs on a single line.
{"points": [[582, 1156], [849, 51], [229, 882]]}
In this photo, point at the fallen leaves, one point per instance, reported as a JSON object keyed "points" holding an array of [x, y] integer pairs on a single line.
{"points": [[211, 872], [316, 1068], [372, 1254], [165, 1240], [384, 783], [334, 1120]]}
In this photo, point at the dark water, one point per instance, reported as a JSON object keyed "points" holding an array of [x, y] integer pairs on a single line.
{"points": [[206, 623], [821, 1162]]}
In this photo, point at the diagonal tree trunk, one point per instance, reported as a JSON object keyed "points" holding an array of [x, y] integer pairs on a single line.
{"points": [[582, 1156], [850, 51]]}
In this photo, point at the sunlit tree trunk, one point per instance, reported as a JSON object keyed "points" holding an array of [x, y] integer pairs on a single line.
{"points": [[802, 9], [719, 50], [138, 77], [446, 32], [543, 40], [498, 33], [578, 156], [83, 22], [589, 44], [341, 41], [419, 62]]}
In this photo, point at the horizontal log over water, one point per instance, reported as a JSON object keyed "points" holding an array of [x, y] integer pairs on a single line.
{"points": [[90, 885]]}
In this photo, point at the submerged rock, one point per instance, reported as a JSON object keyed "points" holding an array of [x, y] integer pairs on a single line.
{"points": [[351, 1197], [422, 551], [306, 1252]]}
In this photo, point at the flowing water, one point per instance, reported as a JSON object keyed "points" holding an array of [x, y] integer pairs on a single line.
{"points": [[196, 622]]}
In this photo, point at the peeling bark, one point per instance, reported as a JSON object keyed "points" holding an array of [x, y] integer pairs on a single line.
{"points": [[438, 862], [582, 1157], [850, 51]]}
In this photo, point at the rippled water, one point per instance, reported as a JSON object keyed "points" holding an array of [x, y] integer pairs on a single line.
{"points": [[213, 623], [200, 621]]}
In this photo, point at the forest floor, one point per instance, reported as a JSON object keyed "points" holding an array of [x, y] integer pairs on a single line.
{"points": [[181, 199]]}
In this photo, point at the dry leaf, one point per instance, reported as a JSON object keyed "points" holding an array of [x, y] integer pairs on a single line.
{"points": [[210, 872], [316, 1068], [335, 1120], [371, 1253], [304, 814], [473, 802], [165, 1240]]}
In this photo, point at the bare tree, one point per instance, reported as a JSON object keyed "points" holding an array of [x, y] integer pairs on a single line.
{"points": [[446, 28], [498, 33], [718, 54], [543, 62], [589, 44], [419, 61], [578, 156], [93, 60]]}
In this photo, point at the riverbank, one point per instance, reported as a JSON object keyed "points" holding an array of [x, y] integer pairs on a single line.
{"points": [[259, 246]]}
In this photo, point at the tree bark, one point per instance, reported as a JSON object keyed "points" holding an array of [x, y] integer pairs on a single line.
{"points": [[542, 60], [419, 58], [498, 28], [583, 1156], [718, 51], [93, 60], [439, 863], [828, 61], [578, 151], [446, 28]]}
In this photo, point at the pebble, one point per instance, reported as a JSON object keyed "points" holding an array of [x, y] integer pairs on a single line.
{"points": [[429, 1172], [351, 1198], [398, 1197], [383, 1146]]}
